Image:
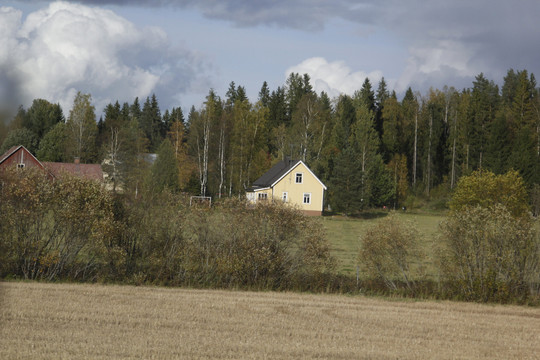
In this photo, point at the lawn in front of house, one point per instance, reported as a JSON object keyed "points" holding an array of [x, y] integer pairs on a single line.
{"points": [[344, 234]]}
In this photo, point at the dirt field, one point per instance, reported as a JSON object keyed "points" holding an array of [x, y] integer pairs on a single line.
{"points": [[59, 321]]}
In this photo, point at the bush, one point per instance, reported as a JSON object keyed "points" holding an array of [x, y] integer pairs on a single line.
{"points": [[485, 189], [489, 255], [389, 249], [52, 229], [264, 246]]}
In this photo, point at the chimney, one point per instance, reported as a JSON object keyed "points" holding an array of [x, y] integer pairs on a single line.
{"points": [[77, 160]]}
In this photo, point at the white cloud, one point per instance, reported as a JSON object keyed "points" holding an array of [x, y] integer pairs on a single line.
{"points": [[68, 47], [335, 77], [444, 63]]}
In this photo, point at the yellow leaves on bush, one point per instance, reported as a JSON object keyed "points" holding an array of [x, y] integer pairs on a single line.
{"points": [[485, 189], [489, 254], [51, 222]]}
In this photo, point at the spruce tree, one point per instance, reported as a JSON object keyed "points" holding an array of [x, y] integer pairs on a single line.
{"points": [[165, 168]]}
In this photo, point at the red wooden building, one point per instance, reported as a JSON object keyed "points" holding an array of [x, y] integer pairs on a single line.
{"points": [[19, 157]]}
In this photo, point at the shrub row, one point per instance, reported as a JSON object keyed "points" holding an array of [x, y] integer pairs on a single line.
{"points": [[73, 229]]}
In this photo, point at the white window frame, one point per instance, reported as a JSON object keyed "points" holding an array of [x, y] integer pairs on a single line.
{"points": [[21, 165], [262, 196], [300, 176], [285, 196], [308, 197]]}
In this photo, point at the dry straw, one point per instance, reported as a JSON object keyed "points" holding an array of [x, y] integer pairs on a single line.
{"points": [[67, 321]]}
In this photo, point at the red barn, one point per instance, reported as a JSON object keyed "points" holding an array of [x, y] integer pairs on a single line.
{"points": [[20, 157]]}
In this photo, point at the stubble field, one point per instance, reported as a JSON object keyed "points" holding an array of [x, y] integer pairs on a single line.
{"points": [[70, 321]]}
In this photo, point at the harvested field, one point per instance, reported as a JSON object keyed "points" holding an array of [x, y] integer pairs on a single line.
{"points": [[70, 321]]}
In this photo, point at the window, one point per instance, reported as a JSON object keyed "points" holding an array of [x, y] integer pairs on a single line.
{"points": [[20, 166], [298, 178], [284, 197], [263, 196], [307, 198]]}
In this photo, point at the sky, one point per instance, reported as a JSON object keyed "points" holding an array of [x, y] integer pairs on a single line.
{"points": [[180, 49]]}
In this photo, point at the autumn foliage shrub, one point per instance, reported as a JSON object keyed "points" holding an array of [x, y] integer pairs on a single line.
{"points": [[390, 253], [489, 247], [72, 228], [489, 255], [53, 229], [264, 246]]}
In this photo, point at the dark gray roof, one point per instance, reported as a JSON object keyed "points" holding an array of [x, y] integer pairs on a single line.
{"points": [[275, 172]]}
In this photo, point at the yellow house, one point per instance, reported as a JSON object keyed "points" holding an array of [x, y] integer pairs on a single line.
{"points": [[290, 181]]}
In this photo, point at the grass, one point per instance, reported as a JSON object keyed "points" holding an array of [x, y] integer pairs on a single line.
{"points": [[71, 321], [344, 234]]}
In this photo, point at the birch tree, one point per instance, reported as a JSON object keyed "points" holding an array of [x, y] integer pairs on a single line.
{"points": [[82, 128]]}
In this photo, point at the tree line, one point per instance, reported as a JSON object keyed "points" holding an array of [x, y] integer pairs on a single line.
{"points": [[371, 148]]}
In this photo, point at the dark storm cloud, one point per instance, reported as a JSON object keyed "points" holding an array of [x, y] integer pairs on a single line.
{"points": [[495, 34], [297, 14]]}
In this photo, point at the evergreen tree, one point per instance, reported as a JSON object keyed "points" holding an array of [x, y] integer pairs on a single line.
{"points": [[135, 110], [498, 146], [380, 100], [241, 94], [165, 168], [381, 184], [231, 94], [264, 94], [22, 136], [392, 121], [278, 108], [42, 116], [345, 118], [365, 96], [482, 111], [53, 145], [296, 88], [150, 122], [346, 183]]}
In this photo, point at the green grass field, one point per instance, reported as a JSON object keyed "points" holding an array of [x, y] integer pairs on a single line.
{"points": [[344, 234]]}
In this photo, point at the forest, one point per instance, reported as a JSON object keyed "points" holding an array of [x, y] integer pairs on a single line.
{"points": [[371, 149]]}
